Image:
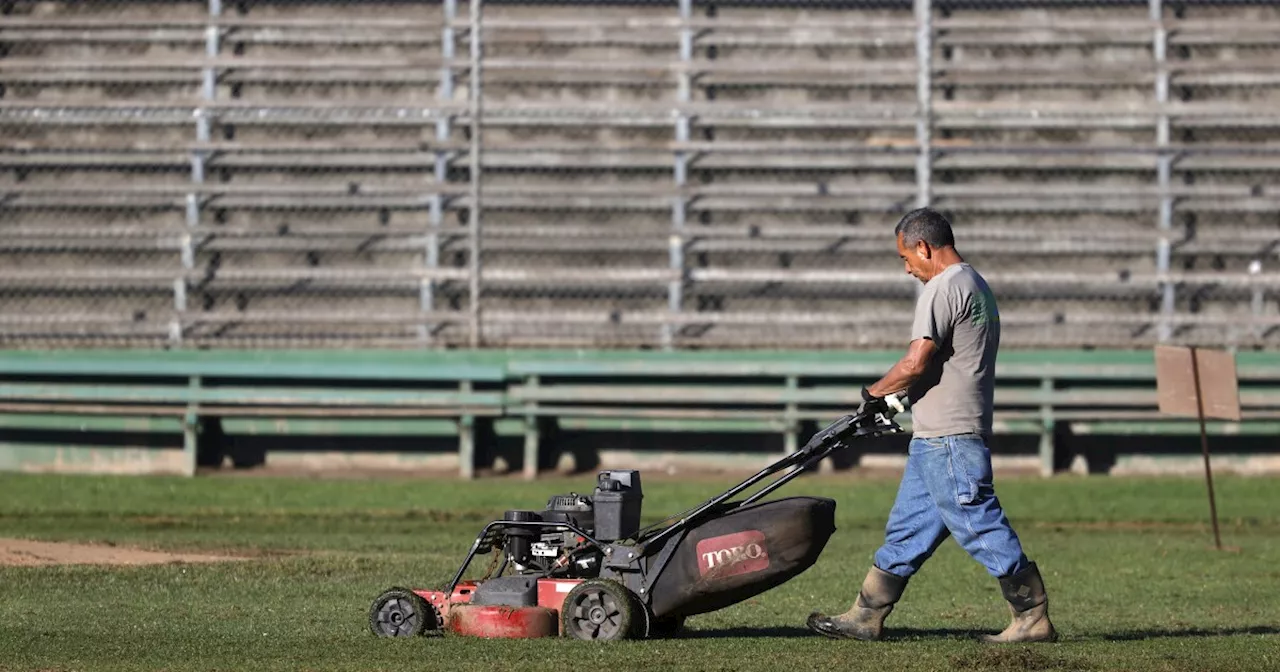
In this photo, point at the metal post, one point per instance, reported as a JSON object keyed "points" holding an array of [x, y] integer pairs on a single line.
{"points": [[179, 297], [1204, 447], [1046, 427], [1164, 169], [680, 175], [1257, 303], [191, 429], [448, 51], [532, 437], [924, 102], [790, 413], [473, 211], [466, 439]]}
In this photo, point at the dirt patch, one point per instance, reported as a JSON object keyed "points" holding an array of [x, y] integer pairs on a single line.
{"points": [[25, 553], [1014, 660]]}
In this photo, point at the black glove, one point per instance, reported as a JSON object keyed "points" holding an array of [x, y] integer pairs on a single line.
{"points": [[871, 404]]}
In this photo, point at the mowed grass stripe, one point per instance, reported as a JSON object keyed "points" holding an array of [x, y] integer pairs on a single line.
{"points": [[1064, 498], [1133, 579]]}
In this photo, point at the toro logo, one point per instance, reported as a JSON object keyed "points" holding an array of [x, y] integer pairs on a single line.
{"points": [[733, 554]]}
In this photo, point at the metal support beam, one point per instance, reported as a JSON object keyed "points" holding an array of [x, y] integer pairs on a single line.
{"points": [[680, 175], [1164, 169], [444, 127], [924, 102], [473, 209], [675, 288], [924, 107], [1257, 301], [198, 159], [179, 305]]}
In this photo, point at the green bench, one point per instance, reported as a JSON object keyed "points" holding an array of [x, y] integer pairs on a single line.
{"points": [[408, 394], [283, 393], [1093, 392]]}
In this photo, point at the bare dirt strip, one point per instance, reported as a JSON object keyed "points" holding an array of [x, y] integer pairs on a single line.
{"points": [[26, 553]]}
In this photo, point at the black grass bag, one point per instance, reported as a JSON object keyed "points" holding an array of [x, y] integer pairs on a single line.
{"points": [[742, 554]]}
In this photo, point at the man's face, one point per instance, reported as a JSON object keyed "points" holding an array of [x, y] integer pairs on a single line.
{"points": [[918, 259]]}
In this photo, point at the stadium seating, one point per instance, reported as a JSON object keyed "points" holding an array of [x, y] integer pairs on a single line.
{"points": [[288, 174]]}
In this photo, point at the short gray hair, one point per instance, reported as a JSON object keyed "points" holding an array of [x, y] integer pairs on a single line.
{"points": [[927, 225]]}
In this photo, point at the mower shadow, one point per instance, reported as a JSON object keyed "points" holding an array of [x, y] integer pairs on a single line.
{"points": [[736, 633], [793, 631]]}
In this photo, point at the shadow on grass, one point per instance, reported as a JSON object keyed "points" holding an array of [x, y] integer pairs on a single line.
{"points": [[1132, 635], [907, 634], [894, 634], [743, 633], [890, 634]]}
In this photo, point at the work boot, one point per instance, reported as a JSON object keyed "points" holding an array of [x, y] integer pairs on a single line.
{"points": [[865, 620], [1030, 607]]}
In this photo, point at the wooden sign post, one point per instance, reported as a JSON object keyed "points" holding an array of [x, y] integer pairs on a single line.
{"points": [[1200, 383]]}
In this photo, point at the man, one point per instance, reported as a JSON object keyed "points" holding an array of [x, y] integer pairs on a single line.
{"points": [[946, 490]]}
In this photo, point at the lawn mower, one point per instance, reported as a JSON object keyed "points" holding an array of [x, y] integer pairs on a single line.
{"points": [[584, 568]]}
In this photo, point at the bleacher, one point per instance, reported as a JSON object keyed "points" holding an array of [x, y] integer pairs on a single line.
{"points": [[703, 175]]}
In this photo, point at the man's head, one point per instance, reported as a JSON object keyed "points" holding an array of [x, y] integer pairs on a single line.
{"points": [[925, 243]]}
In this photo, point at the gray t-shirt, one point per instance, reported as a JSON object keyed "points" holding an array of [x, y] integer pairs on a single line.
{"points": [[954, 396]]}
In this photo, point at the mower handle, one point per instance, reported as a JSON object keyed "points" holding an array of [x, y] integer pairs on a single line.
{"points": [[834, 435], [831, 438]]}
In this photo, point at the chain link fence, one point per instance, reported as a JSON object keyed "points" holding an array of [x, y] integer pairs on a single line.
{"points": [[661, 175]]}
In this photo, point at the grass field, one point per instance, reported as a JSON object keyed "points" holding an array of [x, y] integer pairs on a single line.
{"points": [[1133, 580]]}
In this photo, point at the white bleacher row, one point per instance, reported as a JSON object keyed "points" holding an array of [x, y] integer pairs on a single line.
{"points": [[334, 126], [960, 44]]}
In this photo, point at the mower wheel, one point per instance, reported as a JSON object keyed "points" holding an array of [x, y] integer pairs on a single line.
{"points": [[599, 610], [400, 612], [640, 625]]}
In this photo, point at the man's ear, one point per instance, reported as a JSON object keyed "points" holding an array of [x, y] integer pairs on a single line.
{"points": [[922, 250]]}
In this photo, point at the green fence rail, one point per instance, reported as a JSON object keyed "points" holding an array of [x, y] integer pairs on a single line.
{"points": [[112, 410]]}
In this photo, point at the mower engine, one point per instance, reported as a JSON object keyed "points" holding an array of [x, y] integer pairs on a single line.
{"points": [[612, 513]]}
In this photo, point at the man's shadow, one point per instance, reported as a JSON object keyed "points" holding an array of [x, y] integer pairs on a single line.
{"points": [[890, 634], [1131, 635], [906, 634]]}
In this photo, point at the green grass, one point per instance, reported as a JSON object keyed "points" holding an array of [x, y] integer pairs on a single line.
{"points": [[1133, 579]]}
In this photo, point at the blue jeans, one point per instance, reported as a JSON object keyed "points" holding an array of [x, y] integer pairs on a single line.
{"points": [[947, 490]]}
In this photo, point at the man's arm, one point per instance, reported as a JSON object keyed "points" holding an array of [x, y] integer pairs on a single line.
{"points": [[907, 370]]}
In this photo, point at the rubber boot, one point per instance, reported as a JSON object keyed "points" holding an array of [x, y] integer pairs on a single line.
{"points": [[865, 620], [1030, 607]]}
